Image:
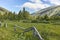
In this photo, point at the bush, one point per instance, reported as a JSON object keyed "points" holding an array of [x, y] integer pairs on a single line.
{"points": [[26, 21], [34, 21], [45, 22]]}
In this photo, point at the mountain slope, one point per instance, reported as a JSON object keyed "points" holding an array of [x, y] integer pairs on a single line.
{"points": [[50, 11], [3, 10]]}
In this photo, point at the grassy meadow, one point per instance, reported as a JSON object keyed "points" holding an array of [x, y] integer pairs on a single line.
{"points": [[48, 31]]}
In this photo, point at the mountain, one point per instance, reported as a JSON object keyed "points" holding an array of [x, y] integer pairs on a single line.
{"points": [[3, 10], [50, 11]]}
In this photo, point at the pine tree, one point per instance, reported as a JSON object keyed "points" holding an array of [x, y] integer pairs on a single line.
{"points": [[46, 17], [25, 14]]}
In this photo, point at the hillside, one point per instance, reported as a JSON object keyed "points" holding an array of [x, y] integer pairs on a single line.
{"points": [[3, 10], [50, 11]]}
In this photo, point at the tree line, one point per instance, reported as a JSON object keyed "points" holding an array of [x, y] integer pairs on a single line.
{"points": [[25, 15], [14, 16]]}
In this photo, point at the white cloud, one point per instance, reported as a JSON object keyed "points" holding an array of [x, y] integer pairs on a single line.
{"points": [[18, 6], [36, 1], [38, 4], [46, 0], [56, 2], [34, 5]]}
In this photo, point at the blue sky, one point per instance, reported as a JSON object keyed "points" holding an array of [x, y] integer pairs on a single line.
{"points": [[30, 5]]}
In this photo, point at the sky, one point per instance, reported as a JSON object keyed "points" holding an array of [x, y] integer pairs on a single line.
{"points": [[30, 5]]}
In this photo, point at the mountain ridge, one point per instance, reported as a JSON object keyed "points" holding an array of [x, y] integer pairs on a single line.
{"points": [[50, 11]]}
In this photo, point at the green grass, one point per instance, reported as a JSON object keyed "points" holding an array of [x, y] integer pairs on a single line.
{"points": [[47, 31]]}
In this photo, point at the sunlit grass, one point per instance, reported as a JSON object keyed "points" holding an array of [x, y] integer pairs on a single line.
{"points": [[47, 31]]}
